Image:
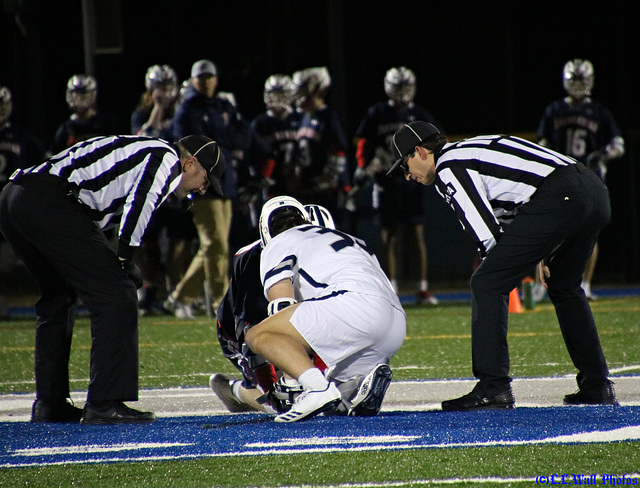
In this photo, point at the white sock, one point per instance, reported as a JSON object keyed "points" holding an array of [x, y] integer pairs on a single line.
{"points": [[235, 388], [424, 285], [394, 285], [313, 379], [586, 286]]}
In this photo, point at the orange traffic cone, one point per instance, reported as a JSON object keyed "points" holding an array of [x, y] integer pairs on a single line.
{"points": [[515, 305]]}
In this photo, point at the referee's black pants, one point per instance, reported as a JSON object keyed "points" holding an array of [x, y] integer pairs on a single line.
{"points": [[70, 258], [561, 222]]}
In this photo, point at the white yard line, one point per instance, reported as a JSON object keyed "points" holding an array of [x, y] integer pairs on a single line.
{"points": [[402, 395]]}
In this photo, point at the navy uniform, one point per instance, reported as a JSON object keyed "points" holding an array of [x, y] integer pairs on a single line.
{"points": [[280, 134], [321, 151], [579, 126], [375, 131], [86, 122], [584, 129], [378, 201], [244, 306], [321, 159], [18, 149]]}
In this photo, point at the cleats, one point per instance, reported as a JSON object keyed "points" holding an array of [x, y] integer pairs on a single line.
{"points": [[310, 403], [370, 394], [222, 386]]}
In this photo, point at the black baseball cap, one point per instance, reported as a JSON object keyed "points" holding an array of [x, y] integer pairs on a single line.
{"points": [[208, 154], [408, 137]]}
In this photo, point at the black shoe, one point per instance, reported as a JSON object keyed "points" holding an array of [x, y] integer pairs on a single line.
{"points": [[59, 411], [594, 395], [113, 413], [475, 401]]}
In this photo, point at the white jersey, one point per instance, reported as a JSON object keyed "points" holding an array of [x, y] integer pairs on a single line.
{"points": [[323, 262]]}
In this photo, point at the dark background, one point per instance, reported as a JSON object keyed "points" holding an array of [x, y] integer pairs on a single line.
{"points": [[482, 67]]}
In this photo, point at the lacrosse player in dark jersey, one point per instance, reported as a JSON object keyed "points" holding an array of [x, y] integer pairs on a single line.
{"points": [[391, 202], [278, 127], [584, 129], [321, 159]]}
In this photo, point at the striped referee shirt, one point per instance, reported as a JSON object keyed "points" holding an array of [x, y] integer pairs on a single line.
{"points": [[120, 180], [486, 179]]}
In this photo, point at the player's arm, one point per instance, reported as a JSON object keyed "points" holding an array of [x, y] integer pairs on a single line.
{"points": [[281, 295]]}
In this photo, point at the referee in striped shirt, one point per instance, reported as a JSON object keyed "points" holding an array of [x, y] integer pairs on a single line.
{"points": [[53, 214], [523, 205]]}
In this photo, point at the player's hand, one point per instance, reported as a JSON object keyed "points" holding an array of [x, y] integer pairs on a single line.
{"points": [[132, 271], [542, 273], [593, 159]]}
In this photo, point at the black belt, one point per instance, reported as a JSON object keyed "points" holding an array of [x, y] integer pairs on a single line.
{"points": [[20, 176]]}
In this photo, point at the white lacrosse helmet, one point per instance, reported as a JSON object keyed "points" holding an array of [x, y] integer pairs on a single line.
{"points": [[318, 215], [277, 206]]}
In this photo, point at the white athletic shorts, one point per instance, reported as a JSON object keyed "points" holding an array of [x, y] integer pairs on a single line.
{"points": [[351, 332]]}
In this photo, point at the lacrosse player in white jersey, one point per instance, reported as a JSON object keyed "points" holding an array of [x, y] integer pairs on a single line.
{"points": [[327, 295]]}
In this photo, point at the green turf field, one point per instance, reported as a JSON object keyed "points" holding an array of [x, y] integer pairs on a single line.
{"points": [[180, 353]]}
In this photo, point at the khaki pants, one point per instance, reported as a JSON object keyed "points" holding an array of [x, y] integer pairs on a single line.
{"points": [[212, 219]]}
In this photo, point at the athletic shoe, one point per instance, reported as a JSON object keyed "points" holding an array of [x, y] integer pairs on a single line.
{"points": [[475, 401], [61, 411], [426, 298], [222, 386], [113, 412], [179, 309], [310, 403], [598, 395], [590, 296], [368, 399]]}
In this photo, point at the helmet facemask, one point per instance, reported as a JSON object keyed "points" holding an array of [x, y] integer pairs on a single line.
{"points": [[82, 92], [278, 93], [578, 78], [400, 85]]}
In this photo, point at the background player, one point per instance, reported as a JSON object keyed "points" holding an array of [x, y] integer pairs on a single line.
{"points": [[86, 121], [397, 202], [278, 127], [321, 175], [584, 129], [18, 149]]}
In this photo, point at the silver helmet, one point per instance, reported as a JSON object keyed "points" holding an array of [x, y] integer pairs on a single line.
{"points": [[160, 75], [577, 77], [400, 85], [310, 82], [82, 91], [278, 92]]}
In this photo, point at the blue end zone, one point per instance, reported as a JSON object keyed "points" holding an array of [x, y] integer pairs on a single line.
{"points": [[26, 444]]}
